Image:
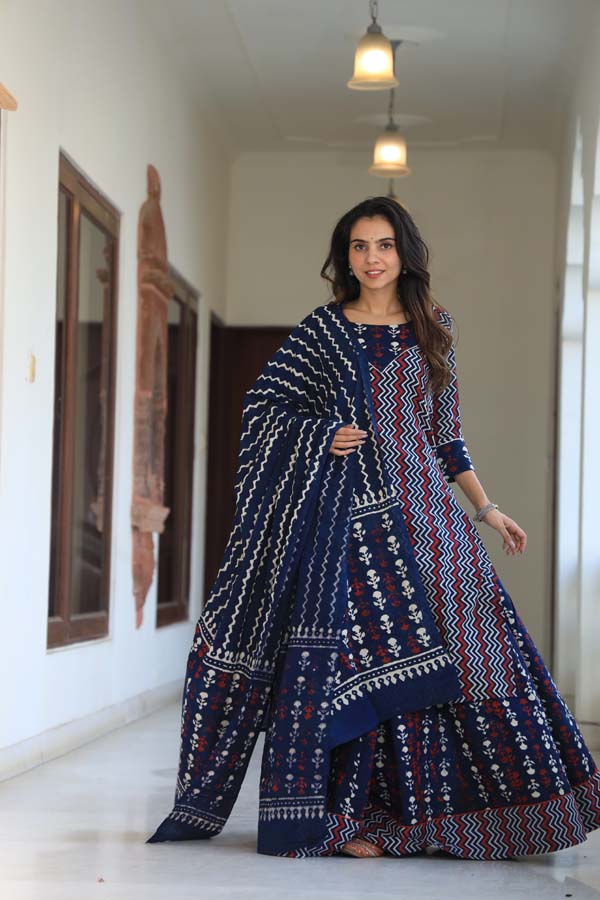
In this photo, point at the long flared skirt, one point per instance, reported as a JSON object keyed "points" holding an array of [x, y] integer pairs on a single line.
{"points": [[491, 779]]}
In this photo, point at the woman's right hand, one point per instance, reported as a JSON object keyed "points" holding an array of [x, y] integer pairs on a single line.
{"points": [[346, 440]]}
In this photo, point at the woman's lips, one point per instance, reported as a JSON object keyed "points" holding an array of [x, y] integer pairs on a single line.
{"points": [[375, 275]]}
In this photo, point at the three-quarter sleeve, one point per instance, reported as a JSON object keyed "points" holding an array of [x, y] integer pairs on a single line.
{"points": [[448, 440]]}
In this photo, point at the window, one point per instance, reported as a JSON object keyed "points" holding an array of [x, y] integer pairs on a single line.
{"points": [[175, 541], [84, 393], [568, 436]]}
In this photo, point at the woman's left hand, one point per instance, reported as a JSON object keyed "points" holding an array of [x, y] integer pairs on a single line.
{"points": [[515, 539]]}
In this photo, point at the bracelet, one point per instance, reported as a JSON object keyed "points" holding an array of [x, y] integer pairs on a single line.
{"points": [[484, 509]]}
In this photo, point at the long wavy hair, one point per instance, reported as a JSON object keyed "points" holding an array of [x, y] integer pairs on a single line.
{"points": [[413, 290]]}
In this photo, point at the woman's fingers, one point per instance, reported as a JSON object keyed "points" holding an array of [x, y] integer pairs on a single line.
{"points": [[518, 535], [346, 439], [515, 539], [348, 433], [349, 441], [345, 448], [342, 452]]}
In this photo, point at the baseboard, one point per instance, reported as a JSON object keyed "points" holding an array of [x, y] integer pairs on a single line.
{"points": [[21, 757], [25, 755]]}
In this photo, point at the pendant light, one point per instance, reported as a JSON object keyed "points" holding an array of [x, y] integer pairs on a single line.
{"points": [[389, 155], [373, 60]]}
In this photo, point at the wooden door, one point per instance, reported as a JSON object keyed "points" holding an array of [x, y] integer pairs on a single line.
{"points": [[237, 356]]}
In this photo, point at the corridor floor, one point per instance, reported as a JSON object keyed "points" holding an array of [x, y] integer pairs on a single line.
{"points": [[75, 828]]}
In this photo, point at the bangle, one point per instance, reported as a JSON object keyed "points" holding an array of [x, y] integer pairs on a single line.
{"points": [[484, 509]]}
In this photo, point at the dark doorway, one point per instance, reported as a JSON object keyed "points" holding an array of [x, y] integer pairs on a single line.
{"points": [[237, 356], [174, 548]]}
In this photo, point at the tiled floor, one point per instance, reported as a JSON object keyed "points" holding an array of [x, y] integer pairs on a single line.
{"points": [[76, 827]]}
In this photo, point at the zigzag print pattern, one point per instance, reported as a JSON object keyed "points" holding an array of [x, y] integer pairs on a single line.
{"points": [[485, 834], [338, 830], [587, 796], [496, 833], [280, 407], [455, 569], [316, 596]]}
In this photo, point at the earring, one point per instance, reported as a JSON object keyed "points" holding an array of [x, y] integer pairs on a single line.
{"points": [[404, 271], [350, 270]]}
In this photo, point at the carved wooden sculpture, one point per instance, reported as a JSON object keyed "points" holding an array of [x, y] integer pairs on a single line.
{"points": [[7, 101], [154, 291]]}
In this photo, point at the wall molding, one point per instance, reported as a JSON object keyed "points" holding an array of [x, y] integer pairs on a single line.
{"points": [[19, 758]]}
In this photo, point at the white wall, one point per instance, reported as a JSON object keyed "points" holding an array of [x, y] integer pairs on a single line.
{"points": [[488, 219], [577, 643], [91, 79]]}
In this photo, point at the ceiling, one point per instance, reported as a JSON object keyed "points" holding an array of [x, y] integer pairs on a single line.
{"points": [[474, 73]]}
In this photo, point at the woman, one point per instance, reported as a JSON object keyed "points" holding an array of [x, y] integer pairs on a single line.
{"points": [[356, 618]]}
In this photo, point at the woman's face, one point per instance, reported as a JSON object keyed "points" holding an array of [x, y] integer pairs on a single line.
{"points": [[372, 252]]}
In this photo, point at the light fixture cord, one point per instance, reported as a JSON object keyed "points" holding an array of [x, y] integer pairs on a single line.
{"points": [[391, 103], [395, 45], [373, 10]]}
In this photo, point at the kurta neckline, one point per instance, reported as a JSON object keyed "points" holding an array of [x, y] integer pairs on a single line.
{"points": [[342, 315], [382, 324]]}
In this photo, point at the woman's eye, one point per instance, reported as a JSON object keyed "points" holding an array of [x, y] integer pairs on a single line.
{"points": [[385, 246]]}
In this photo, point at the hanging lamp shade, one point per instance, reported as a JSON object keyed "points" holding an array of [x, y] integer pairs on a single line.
{"points": [[389, 155], [373, 62]]}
